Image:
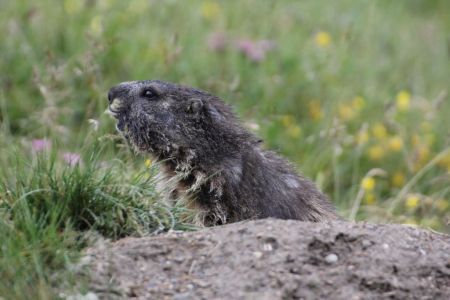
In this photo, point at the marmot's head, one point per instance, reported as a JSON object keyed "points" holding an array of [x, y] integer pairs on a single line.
{"points": [[166, 119]]}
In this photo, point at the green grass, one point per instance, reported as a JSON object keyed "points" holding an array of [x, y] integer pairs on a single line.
{"points": [[49, 209], [354, 92]]}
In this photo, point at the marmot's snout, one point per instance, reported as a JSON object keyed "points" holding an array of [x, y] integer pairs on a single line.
{"points": [[119, 91], [111, 95], [118, 96]]}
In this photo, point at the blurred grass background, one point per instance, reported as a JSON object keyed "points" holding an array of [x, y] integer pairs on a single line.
{"points": [[354, 92]]}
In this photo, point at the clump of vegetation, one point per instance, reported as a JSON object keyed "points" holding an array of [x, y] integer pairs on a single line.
{"points": [[50, 200]]}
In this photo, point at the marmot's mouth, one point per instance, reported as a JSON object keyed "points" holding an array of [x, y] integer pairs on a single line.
{"points": [[114, 107], [114, 112]]}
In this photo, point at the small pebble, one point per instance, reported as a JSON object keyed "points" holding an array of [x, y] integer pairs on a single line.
{"points": [[88, 296], [385, 246], [267, 247], [258, 254], [366, 243], [331, 258]]}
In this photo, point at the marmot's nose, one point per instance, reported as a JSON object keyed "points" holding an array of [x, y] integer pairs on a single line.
{"points": [[111, 95], [115, 92], [120, 91]]}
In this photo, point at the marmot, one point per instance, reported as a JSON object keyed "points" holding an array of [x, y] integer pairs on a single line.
{"points": [[209, 160]]}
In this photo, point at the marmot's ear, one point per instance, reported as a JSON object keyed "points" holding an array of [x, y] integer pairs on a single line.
{"points": [[214, 114], [194, 105]]}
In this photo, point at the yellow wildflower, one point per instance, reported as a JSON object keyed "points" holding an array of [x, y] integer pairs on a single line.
{"points": [[96, 25], [322, 39], [210, 10], [72, 6], [423, 152], [368, 183], [442, 204], [362, 137], [376, 152], [379, 131], [398, 179], [294, 131], [148, 163], [358, 103], [403, 100], [369, 198], [412, 202], [395, 143], [287, 120], [315, 110], [346, 112], [445, 161]]}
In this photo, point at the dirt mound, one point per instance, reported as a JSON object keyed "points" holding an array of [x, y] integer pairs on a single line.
{"points": [[276, 259]]}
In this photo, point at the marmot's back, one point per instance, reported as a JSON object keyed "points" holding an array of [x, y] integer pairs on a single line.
{"points": [[209, 161]]}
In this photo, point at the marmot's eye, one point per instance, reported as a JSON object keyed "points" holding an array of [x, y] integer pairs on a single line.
{"points": [[149, 94]]}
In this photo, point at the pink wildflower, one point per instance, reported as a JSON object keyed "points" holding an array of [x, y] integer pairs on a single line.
{"points": [[244, 45], [217, 41], [254, 50], [39, 145], [72, 159]]}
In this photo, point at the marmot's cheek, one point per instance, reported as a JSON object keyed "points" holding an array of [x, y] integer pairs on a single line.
{"points": [[167, 119], [116, 104]]}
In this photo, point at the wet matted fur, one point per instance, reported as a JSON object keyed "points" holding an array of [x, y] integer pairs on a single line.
{"points": [[208, 159]]}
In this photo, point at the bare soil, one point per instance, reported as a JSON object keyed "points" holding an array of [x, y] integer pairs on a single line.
{"points": [[276, 259]]}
